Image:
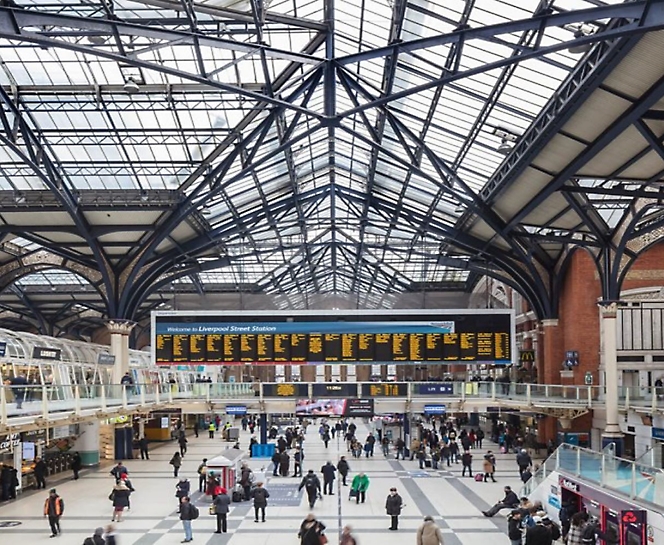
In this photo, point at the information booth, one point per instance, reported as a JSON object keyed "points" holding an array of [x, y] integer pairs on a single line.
{"points": [[226, 466]]}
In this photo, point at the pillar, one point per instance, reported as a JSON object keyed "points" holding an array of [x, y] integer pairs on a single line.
{"points": [[343, 373], [120, 330], [327, 369], [87, 443], [262, 426], [288, 373], [609, 359], [551, 360]]}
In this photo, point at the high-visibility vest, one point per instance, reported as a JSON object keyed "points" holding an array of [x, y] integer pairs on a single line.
{"points": [[57, 505]]}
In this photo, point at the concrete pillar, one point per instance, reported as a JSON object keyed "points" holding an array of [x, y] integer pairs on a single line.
{"points": [[609, 360], [343, 373], [262, 427], [120, 330], [87, 444], [328, 373], [288, 373]]}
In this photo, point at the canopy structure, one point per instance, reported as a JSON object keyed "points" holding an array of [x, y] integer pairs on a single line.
{"points": [[299, 153]]}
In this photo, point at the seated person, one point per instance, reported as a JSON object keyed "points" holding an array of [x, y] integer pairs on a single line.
{"points": [[510, 501]]}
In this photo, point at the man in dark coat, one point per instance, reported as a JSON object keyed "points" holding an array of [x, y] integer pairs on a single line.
{"points": [[523, 460], [538, 534], [41, 470], [393, 505], [76, 465], [276, 459], [298, 457], [260, 496], [343, 469], [328, 471], [284, 464], [311, 484], [221, 508], [143, 446], [510, 501]]}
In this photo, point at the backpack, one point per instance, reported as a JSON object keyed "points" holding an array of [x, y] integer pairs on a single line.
{"points": [[311, 482], [588, 536], [194, 512], [200, 469], [88, 541]]}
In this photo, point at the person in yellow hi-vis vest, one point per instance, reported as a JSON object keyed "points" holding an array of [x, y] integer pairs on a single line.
{"points": [[211, 429]]}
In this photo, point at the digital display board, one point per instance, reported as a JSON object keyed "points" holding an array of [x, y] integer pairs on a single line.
{"points": [[330, 338], [286, 389], [385, 389]]}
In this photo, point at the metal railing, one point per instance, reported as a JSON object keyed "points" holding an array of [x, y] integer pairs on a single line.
{"points": [[626, 477], [35, 401]]}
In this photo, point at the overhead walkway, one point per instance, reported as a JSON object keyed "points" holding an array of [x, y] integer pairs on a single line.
{"points": [[52, 404]]}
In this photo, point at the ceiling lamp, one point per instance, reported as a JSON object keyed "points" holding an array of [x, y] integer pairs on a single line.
{"points": [[131, 87], [96, 39], [505, 147], [581, 48]]}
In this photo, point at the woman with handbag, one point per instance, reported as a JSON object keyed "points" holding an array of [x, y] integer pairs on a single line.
{"points": [[120, 498], [176, 462], [312, 531]]}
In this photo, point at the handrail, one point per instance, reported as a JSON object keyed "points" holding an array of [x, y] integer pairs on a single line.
{"points": [[628, 478], [42, 400]]}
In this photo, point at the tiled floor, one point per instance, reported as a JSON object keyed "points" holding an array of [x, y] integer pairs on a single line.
{"points": [[455, 502]]}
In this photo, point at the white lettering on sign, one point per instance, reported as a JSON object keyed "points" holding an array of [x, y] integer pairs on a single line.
{"points": [[11, 441], [570, 485]]}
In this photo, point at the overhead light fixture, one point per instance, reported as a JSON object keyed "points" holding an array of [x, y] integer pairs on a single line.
{"points": [[144, 196], [206, 212], [131, 87], [581, 48], [505, 147], [20, 199], [96, 39]]}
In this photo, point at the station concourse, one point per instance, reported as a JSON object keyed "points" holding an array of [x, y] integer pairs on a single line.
{"points": [[455, 503]]}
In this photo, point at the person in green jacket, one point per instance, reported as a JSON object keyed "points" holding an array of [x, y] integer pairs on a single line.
{"points": [[359, 487]]}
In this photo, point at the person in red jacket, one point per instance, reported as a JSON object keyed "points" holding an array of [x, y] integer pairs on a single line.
{"points": [[53, 509]]}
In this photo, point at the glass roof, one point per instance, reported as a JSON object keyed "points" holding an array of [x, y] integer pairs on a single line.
{"points": [[280, 166]]}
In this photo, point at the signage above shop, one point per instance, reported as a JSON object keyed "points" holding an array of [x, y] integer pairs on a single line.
{"points": [[43, 353], [434, 409], [569, 485], [441, 388], [105, 359], [236, 409], [658, 433], [10, 442]]}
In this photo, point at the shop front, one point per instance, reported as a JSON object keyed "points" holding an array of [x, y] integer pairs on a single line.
{"points": [[625, 522]]}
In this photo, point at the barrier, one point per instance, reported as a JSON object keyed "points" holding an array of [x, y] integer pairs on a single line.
{"points": [[262, 451]]}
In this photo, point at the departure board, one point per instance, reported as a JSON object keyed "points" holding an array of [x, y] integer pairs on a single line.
{"points": [[197, 348], [327, 338], [180, 348]]}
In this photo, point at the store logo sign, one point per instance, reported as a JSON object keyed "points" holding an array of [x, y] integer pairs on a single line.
{"points": [[570, 485], [10, 442]]}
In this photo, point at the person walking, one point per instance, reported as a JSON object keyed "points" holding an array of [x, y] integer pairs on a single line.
{"points": [[188, 512], [467, 461], [347, 538], [311, 484], [202, 474], [109, 535], [284, 464], [40, 471], [326, 437], [429, 533], [176, 462], [385, 446], [182, 441], [222, 503], [359, 487], [120, 498], [328, 471], [54, 507], [118, 471], [393, 505], [76, 464], [196, 428], [143, 447], [343, 468], [96, 539], [182, 489], [211, 429], [489, 466], [400, 447], [298, 458], [260, 496], [311, 531], [276, 460], [524, 461]]}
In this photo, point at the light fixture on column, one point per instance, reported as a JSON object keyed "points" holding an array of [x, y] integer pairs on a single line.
{"points": [[131, 87], [580, 49]]}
